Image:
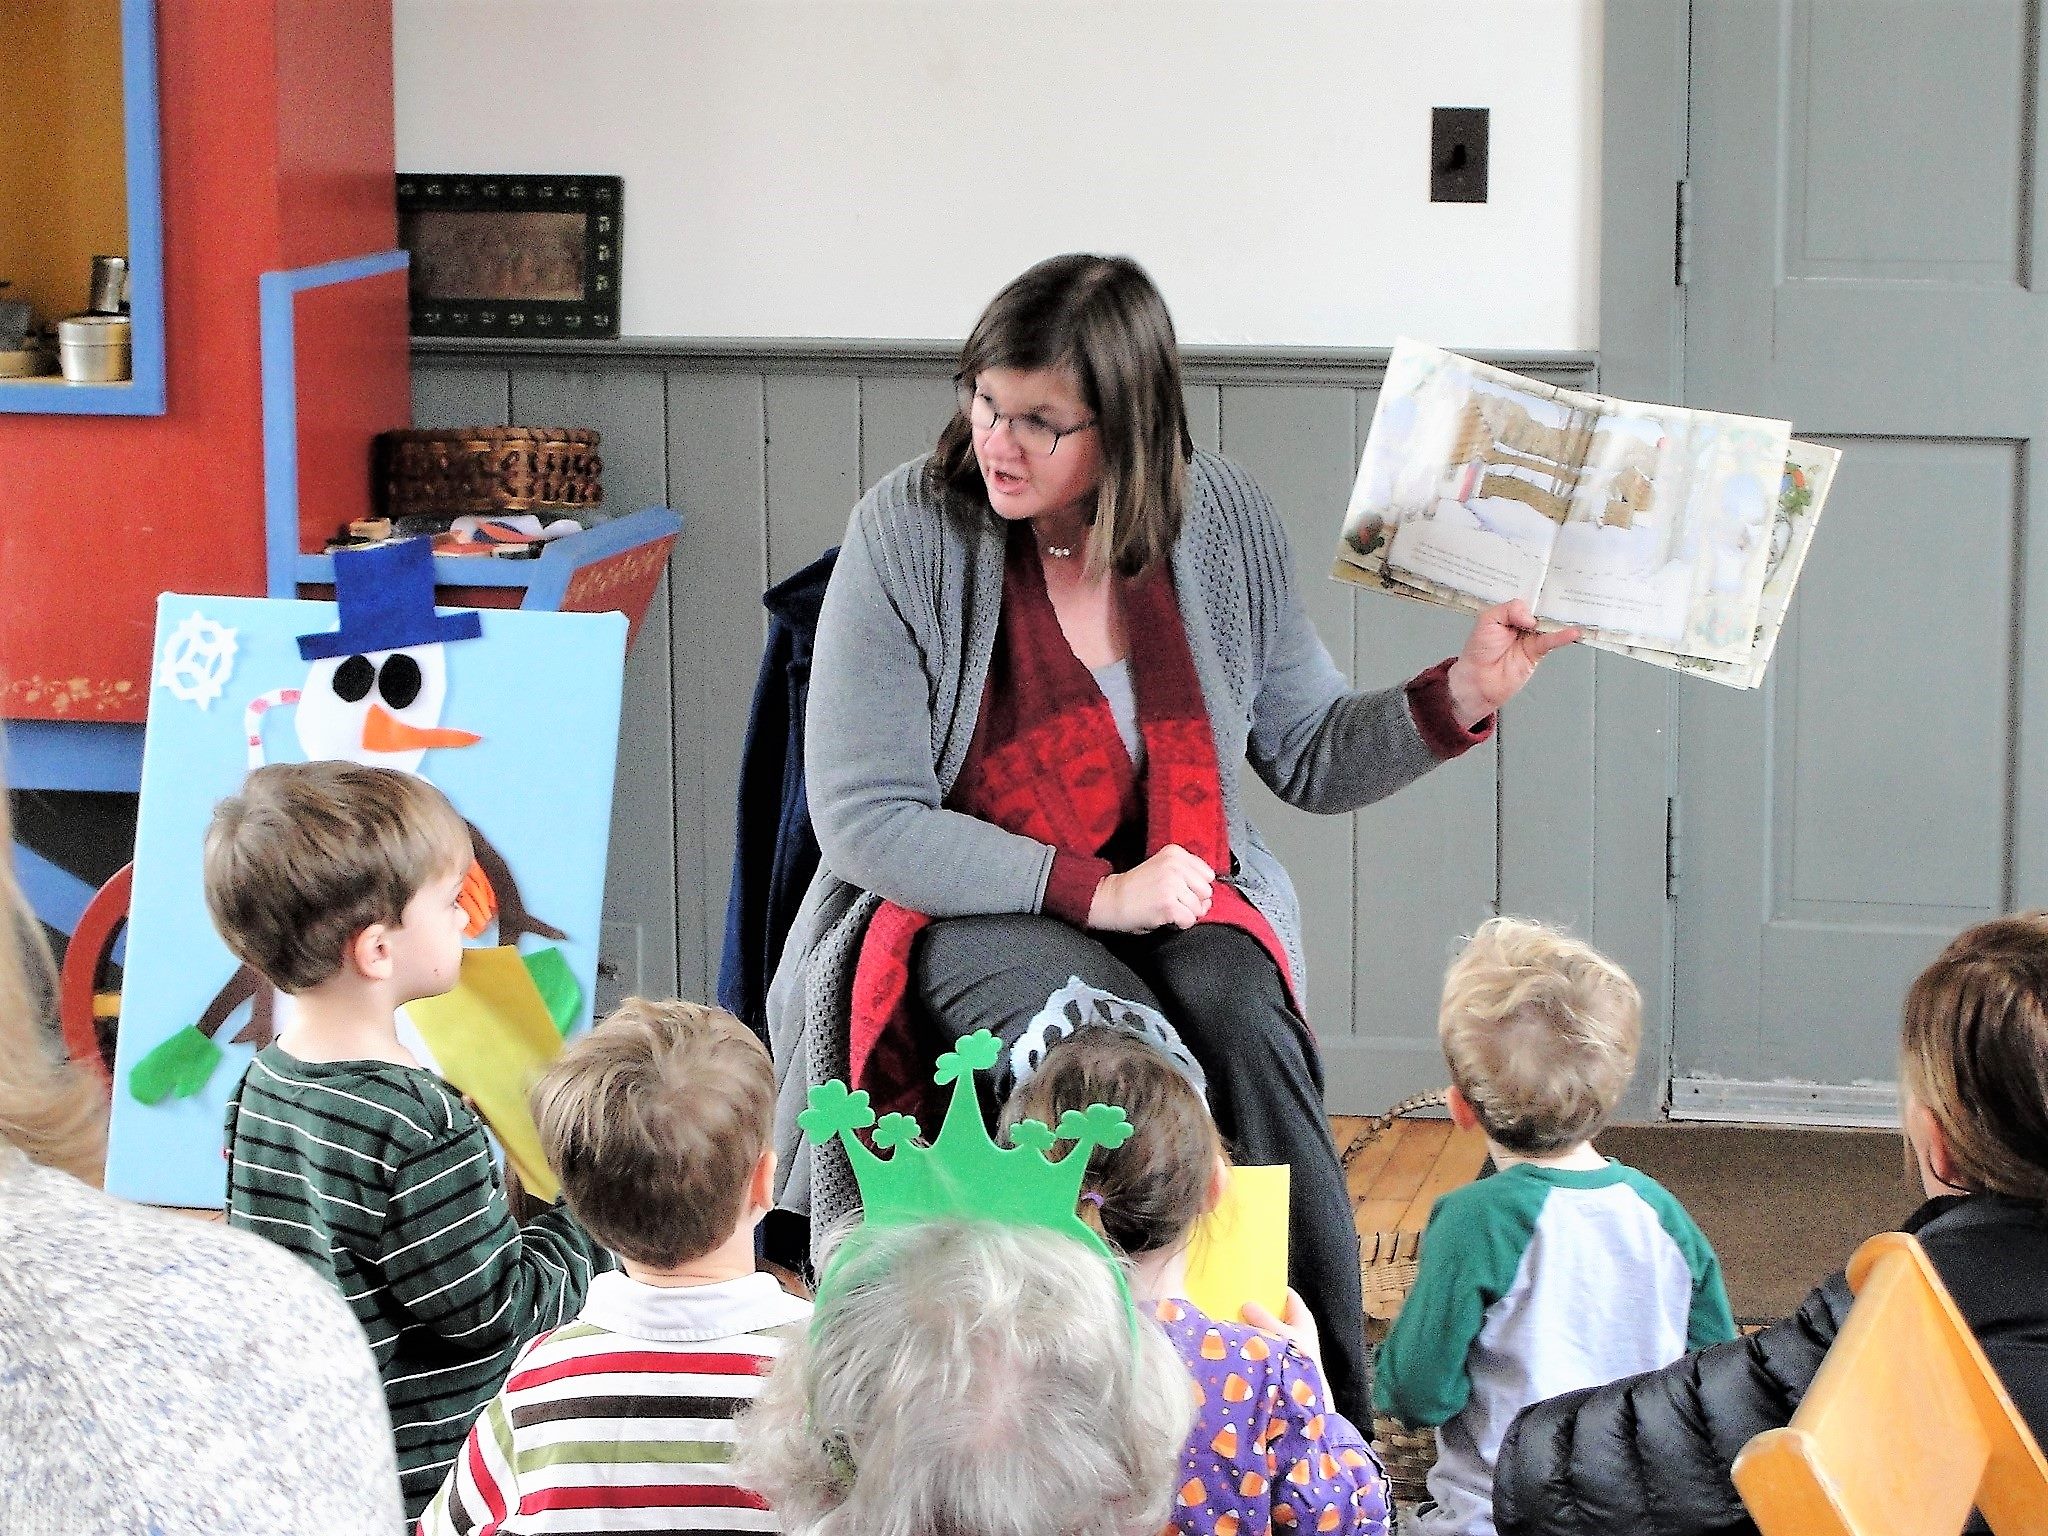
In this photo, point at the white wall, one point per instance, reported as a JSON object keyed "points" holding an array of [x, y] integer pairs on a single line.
{"points": [[879, 168]]}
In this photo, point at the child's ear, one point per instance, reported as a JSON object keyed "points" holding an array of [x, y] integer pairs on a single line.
{"points": [[1463, 1116], [1219, 1182], [1930, 1148], [761, 1186], [369, 953]]}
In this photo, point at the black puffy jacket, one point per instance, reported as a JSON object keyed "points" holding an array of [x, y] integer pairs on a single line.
{"points": [[1651, 1454]]}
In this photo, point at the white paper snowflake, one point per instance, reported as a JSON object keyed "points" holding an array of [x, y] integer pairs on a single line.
{"points": [[198, 660]]}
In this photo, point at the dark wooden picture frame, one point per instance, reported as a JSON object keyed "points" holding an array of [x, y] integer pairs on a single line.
{"points": [[513, 255]]}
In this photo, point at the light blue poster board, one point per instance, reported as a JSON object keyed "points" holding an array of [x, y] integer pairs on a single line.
{"points": [[540, 692]]}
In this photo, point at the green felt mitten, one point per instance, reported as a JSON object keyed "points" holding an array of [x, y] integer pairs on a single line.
{"points": [[178, 1068]]}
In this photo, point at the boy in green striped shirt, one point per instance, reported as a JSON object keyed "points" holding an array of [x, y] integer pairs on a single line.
{"points": [[341, 885]]}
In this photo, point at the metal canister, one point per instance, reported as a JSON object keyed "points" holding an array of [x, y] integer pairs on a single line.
{"points": [[94, 349], [109, 295]]}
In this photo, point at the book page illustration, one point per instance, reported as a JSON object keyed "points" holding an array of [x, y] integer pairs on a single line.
{"points": [[1667, 540], [1808, 476], [1469, 473], [1667, 534]]}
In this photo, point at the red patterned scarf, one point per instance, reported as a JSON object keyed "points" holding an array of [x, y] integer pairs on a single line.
{"points": [[1047, 763]]}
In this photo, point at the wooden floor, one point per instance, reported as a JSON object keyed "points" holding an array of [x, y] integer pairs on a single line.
{"points": [[1396, 1177]]}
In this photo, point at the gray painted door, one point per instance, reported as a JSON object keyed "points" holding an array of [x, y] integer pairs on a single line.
{"points": [[1865, 198]]}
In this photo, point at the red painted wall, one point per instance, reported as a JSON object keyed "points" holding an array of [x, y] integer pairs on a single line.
{"points": [[277, 125], [336, 135], [353, 383]]}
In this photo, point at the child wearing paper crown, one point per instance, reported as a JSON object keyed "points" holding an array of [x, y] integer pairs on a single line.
{"points": [[1564, 1269], [341, 885], [1267, 1451], [659, 1122]]}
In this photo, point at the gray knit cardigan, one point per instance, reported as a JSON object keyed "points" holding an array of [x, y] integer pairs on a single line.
{"points": [[903, 650]]}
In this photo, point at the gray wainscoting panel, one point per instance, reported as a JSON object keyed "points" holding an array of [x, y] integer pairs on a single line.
{"points": [[461, 396], [1205, 415], [1426, 859], [766, 446], [899, 420], [641, 878], [718, 475], [1297, 443], [813, 467]]}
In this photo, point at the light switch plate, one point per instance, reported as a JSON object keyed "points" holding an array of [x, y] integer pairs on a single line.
{"points": [[1457, 154]]}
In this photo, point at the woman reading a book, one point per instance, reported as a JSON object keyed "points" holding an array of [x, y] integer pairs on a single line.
{"points": [[1047, 653]]}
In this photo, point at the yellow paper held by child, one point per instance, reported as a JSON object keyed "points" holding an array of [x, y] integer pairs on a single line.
{"points": [[491, 1038], [1239, 1250]]}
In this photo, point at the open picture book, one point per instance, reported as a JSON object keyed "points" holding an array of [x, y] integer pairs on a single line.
{"points": [[1671, 535]]}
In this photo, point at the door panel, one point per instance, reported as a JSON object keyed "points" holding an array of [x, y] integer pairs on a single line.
{"points": [[1863, 194]]}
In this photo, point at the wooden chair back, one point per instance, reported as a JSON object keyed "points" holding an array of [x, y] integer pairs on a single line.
{"points": [[1905, 1427]]}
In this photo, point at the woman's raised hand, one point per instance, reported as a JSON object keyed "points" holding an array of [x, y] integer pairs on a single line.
{"points": [[1169, 890], [1498, 657]]}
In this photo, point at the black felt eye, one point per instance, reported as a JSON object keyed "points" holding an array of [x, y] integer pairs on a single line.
{"points": [[399, 680], [353, 677]]}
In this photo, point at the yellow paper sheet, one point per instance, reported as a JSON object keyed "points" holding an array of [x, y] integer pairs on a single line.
{"points": [[492, 1037], [1239, 1251]]}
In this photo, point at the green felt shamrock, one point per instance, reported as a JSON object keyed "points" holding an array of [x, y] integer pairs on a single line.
{"points": [[1033, 1134], [835, 1110], [894, 1130], [1102, 1124], [971, 1053]]}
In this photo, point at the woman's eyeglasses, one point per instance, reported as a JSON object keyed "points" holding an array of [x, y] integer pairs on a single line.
{"points": [[1033, 433]]}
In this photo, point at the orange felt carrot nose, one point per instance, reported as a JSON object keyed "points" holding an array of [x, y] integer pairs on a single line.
{"points": [[385, 732]]}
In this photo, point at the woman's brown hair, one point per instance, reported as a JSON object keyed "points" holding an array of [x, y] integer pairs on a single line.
{"points": [[1974, 1053], [1100, 319], [1153, 1188]]}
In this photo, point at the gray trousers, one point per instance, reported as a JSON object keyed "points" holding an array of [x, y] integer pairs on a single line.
{"points": [[1222, 994]]}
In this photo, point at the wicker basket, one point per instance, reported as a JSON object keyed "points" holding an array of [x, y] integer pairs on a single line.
{"points": [[456, 471], [1386, 1269]]}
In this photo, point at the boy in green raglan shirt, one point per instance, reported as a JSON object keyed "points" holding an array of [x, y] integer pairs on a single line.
{"points": [[1564, 1269]]}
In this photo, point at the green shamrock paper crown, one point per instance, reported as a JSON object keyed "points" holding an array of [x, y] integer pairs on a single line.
{"points": [[965, 1176]]}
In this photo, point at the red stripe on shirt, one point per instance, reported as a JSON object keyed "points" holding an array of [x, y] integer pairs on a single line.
{"points": [[641, 1360], [487, 1485], [645, 1496]]}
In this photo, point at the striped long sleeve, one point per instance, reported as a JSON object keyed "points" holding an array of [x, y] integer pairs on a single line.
{"points": [[381, 1179], [623, 1420]]}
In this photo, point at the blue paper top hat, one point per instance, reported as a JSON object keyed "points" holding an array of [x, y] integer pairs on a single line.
{"points": [[386, 596]]}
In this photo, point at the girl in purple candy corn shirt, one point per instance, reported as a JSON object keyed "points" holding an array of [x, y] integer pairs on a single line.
{"points": [[1268, 1452]]}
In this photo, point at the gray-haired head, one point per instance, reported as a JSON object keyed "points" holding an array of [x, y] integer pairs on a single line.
{"points": [[971, 1379]]}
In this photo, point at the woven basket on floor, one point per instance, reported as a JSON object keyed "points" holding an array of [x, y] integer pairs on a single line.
{"points": [[456, 471], [1386, 1271]]}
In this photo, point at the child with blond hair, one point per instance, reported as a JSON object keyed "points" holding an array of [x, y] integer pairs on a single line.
{"points": [[1564, 1269], [341, 886], [659, 1122], [1268, 1450]]}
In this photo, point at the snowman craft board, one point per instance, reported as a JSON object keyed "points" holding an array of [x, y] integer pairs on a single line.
{"points": [[513, 715]]}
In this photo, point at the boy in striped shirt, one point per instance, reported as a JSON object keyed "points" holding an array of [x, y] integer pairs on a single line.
{"points": [[340, 884], [659, 1122]]}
